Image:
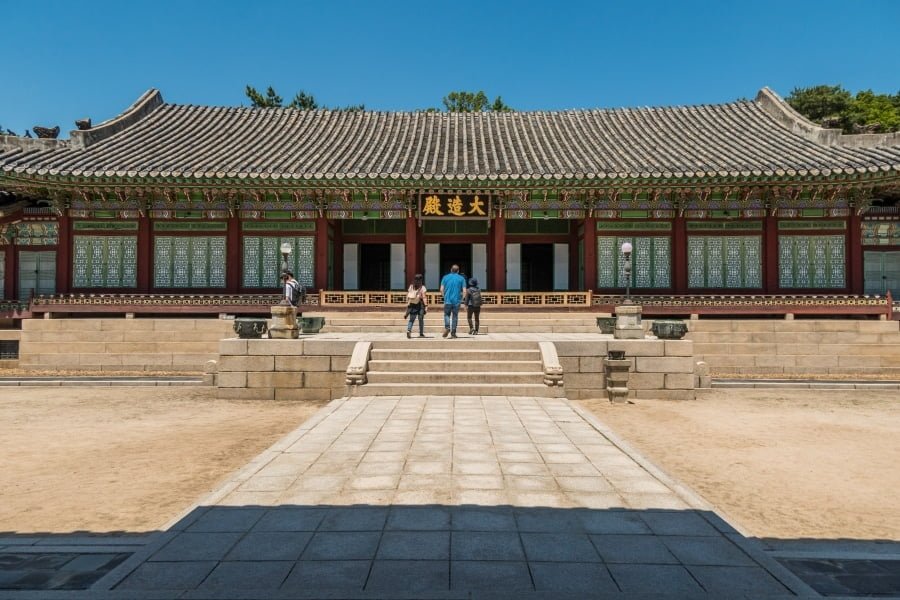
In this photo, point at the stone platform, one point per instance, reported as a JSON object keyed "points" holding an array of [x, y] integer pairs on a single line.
{"points": [[315, 367]]}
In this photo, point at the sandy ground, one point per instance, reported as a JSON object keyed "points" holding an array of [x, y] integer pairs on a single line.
{"points": [[124, 459], [792, 464]]}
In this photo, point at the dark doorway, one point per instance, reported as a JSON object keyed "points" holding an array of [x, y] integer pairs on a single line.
{"points": [[537, 267], [374, 267], [456, 254]]}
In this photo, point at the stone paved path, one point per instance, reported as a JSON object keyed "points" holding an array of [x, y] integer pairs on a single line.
{"points": [[446, 497]]}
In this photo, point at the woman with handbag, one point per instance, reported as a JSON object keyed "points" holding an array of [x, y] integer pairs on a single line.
{"points": [[416, 305]]}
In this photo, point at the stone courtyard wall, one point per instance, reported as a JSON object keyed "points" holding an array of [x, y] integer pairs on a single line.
{"points": [[120, 344]]}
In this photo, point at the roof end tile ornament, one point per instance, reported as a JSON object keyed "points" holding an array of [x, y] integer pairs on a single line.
{"points": [[143, 106]]}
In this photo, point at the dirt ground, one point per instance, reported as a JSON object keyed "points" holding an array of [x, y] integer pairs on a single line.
{"points": [[791, 464], [124, 458]]}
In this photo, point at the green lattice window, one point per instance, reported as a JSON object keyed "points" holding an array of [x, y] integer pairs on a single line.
{"points": [[725, 261], [262, 260], [189, 262], [811, 261], [651, 262], [104, 261]]}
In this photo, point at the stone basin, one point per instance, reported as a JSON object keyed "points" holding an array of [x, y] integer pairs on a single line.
{"points": [[606, 324], [250, 327], [669, 330], [311, 324]]}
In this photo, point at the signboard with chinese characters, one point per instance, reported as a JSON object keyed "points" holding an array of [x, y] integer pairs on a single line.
{"points": [[454, 206]]}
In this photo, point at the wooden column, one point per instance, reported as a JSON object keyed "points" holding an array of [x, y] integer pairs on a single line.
{"points": [[64, 254], [679, 256], [497, 275], [144, 254], [234, 266], [412, 248], [770, 255], [10, 279], [338, 266], [321, 246], [855, 281], [590, 253]]}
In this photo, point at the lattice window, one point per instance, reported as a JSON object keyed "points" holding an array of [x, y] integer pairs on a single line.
{"points": [[724, 261], [189, 262], [651, 262], [104, 261], [811, 261], [262, 260]]}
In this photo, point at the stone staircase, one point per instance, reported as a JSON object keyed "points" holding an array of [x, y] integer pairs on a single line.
{"points": [[836, 347], [456, 368], [492, 321]]}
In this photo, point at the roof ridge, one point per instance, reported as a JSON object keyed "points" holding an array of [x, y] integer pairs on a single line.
{"points": [[782, 112], [143, 106]]}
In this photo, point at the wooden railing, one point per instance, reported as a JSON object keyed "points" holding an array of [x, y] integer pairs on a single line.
{"points": [[655, 305], [330, 299]]}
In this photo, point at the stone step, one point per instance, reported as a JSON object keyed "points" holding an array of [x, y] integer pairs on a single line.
{"points": [[400, 325], [449, 377], [460, 389], [460, 354], [479, 365], [463, 343]]}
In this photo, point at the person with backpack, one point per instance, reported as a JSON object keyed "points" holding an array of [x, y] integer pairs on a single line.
{"points": [[453, 289], [293, 289], [473, 305], [416, 305]]}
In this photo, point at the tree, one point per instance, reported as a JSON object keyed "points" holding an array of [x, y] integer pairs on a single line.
{"points": [[871, 112], [270, 100], [304, 101], [820, 102], [833, 106], [301, 101], [500, 106], [463, 101]]}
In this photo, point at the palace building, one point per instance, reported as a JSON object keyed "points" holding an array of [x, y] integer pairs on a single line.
{"points": [[746, 199]]}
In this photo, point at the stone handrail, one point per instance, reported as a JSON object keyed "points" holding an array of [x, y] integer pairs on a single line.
{"points": [[359, 363], [553, 371]]}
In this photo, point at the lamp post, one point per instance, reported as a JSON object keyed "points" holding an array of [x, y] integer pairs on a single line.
{"points": [[626, 252], [286, 292]]}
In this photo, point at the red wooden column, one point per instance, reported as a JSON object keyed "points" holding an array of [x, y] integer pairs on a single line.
{"points": [[679, 256], [855, 281], [234, 266], [338, 241], [590, 253], [412, 248], [321, 245], [10, 279], [770, 255], [498, 255], [64, 254], [144, 254]]}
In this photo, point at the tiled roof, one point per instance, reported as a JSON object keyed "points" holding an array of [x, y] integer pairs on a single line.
{"points": [[747, 138]]}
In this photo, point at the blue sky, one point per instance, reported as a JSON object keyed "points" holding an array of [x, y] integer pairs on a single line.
{"points": [[64, 60]]}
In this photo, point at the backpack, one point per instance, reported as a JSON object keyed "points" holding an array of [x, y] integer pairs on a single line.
{"points": [[296, 292], [474, 297]]}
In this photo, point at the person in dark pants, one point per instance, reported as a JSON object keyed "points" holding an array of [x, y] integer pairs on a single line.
{"points": [[453, 289], [473, 306], [416, 305]]}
